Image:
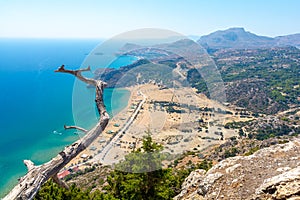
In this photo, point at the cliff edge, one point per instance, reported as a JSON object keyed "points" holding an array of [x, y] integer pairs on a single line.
{"points": [[270, 173]]}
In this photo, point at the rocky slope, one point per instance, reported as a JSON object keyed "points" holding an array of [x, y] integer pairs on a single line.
{"points": [[270, 173]]}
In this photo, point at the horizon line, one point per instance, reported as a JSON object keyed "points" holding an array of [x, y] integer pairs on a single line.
{"points": [[105, 38]]}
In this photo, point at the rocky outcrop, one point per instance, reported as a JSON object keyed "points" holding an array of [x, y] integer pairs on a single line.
{"points": [[283, 186], [270, 173], [191, 183]]}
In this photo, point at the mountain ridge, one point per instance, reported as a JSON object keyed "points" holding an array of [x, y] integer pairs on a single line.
{"points": [[239, 38]]}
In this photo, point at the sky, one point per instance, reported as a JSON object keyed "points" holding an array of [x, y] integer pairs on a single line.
{"points": [[107, 18]]}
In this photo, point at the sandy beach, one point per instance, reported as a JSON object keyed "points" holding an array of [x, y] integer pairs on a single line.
{"points": [[198, 125], [115, 124]]}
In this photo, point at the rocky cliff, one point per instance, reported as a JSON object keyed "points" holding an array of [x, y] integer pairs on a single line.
{"points": [[270, 173]]}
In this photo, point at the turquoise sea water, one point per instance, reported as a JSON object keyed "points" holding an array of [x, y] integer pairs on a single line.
{"points": [[35, 102]]}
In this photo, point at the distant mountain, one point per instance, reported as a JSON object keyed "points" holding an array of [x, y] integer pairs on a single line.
{"points": [[292, 40], [238, 38]]}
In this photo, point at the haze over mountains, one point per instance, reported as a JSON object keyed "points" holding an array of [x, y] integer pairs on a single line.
{"points": [[238, 38]]}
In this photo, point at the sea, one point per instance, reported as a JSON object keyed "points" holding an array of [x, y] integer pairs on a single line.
{"points": [[35, 102]]}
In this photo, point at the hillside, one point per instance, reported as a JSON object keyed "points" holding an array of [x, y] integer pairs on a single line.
{"points": [[261, 80], [292, 40], [264, 80], [238, 38], [270, 173]]}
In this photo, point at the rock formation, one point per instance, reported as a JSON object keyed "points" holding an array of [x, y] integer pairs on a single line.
{"points": [[270, 173]]}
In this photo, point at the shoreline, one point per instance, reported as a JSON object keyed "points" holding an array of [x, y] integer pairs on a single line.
{"points": [[115, 124], [13, 180], [147, 109]]}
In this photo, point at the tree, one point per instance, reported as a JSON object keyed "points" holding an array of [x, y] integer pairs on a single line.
{"points": [[145, 185], [241, 133], [51, 190], [30, 184], [146, 179]]}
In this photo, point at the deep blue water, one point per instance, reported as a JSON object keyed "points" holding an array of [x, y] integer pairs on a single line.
{"points": [[35, 102]]}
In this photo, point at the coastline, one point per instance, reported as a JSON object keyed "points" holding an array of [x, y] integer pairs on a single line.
{"points": [[147, 109], [115, 124], [169, 129], [70, 139]]}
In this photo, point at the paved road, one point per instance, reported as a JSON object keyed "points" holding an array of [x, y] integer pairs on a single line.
{"points": [[103, 156]]}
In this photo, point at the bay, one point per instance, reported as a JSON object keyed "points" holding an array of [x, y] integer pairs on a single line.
{"points": [[35, 102]]}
